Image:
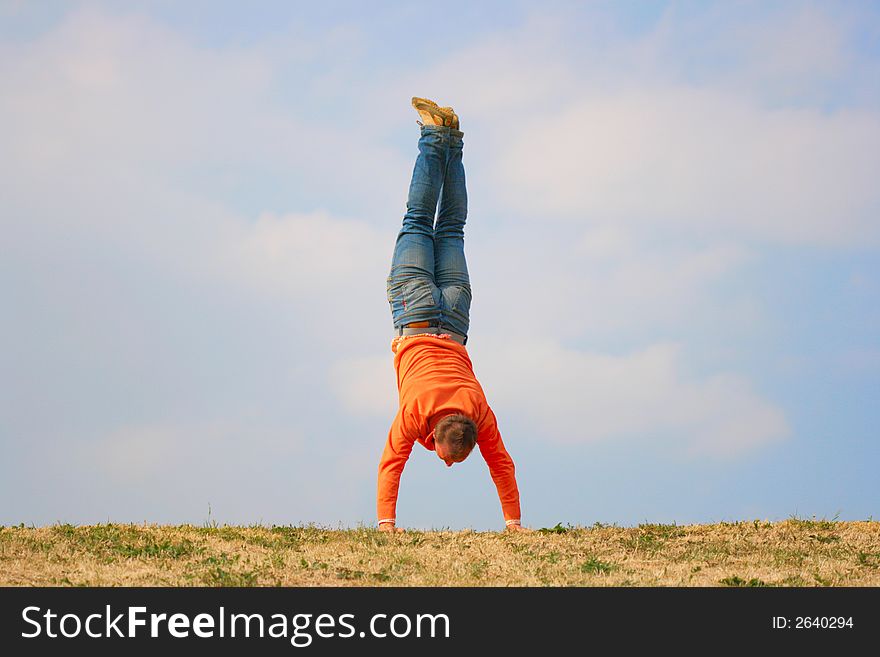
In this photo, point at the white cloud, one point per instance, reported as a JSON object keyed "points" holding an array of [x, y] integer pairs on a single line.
{"points": [[306, 255], [570, 396], [124, 140], [603, 127], [103, 98], [145, 452], [603, 280], [799, 54], [703, 162], [366, 385]]}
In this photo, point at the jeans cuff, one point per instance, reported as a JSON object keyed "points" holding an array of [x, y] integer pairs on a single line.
{"points": [[442, 128]]}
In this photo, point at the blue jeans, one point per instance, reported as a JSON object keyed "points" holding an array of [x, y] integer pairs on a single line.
{"points": [[429, 276]]}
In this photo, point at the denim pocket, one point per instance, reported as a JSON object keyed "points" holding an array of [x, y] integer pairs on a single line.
{"points": [[460, 299], [419, 294]]}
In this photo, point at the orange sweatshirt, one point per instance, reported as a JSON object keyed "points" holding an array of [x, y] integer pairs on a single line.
{"points": [[435, 378]]}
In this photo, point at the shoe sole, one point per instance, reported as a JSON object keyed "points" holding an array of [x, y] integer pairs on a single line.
{"points": [[447, 116]]}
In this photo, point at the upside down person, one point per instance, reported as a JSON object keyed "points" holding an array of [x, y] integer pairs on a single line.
{"points": [[442, 405]]}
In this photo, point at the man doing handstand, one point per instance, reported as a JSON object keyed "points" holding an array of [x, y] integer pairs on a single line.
{"points": [[442, 405]]}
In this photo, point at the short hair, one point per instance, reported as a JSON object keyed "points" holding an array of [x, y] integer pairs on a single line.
{"points": [[458, 433]]}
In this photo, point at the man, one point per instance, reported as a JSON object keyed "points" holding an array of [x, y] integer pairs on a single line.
{"points": [[442, 405]]}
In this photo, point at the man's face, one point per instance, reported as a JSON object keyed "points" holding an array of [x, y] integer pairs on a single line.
{"points": [[441, 452]]}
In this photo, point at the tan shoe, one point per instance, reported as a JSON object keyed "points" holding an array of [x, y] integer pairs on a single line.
{"points": [[433, 114], [454, 123]]}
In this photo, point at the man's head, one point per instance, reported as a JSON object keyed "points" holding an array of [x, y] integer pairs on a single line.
{"points": [[454, 438]]}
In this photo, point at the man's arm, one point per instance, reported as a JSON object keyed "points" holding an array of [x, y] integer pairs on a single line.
{"points": [[397, 450], [501, 469]]}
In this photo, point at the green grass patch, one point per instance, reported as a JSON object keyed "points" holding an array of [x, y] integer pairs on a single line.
{"points": [[822, 581], [869, 559], [831, 538], [822, 524], [736, 580], [125, 541], [222, 570], [595, 566], [664, 532], [347, 573]]}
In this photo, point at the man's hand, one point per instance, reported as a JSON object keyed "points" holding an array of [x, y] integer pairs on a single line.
{"points": [[390, 527], [518, 528]]}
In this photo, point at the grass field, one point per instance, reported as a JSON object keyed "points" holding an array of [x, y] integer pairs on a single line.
{"points": [[792, 552]]}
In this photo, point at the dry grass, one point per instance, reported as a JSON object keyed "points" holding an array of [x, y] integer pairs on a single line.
{"points": [[793, 552]]}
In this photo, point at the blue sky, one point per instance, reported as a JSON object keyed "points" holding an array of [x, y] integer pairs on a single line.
{"points": [[673, 236]]}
